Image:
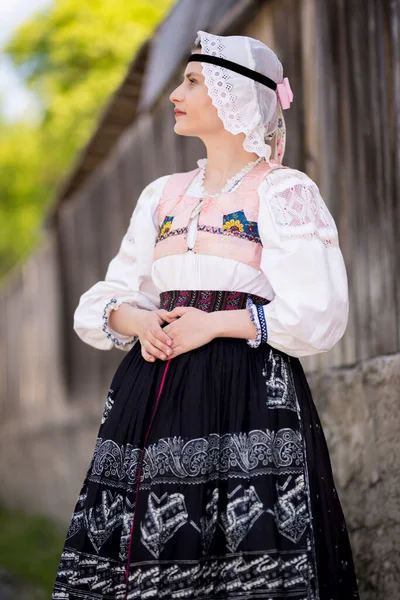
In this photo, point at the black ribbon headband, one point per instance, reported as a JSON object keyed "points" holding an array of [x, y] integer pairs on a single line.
{"points": [[223, 62]]}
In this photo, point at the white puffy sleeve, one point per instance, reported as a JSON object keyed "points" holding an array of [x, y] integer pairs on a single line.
{"points": [[128, 277], [304, 265]]}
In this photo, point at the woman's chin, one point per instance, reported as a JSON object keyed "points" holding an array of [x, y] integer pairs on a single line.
{"points": [[180, 128]]}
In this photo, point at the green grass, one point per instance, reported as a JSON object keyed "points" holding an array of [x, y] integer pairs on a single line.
{"points": [[30, 548]]}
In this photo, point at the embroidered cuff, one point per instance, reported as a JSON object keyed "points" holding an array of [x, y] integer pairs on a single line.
{"points": [[263, 323], [254, 317], [119, 339], [257, 316]]}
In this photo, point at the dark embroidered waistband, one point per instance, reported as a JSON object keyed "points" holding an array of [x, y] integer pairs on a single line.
{"points": [[208, 300]]}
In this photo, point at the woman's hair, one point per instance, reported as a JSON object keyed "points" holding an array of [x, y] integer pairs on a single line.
{"points": [[196, 46]]}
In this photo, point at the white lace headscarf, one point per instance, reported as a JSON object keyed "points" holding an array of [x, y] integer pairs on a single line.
{"points": [[244, 105]]}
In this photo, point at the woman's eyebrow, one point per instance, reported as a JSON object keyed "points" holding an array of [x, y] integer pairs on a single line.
{"points": [[192, 73]]}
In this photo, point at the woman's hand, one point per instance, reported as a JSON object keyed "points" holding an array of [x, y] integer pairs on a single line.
{"points": [[154, 340], [189, 328]]}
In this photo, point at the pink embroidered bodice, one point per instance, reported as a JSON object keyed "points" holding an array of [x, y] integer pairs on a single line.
{"points": [[227, 224]]}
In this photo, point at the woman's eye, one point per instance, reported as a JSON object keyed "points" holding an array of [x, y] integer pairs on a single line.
{"points": [[192, 80]]}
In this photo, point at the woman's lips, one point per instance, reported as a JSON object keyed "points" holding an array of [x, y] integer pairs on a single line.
{"points": [[179, 114]]}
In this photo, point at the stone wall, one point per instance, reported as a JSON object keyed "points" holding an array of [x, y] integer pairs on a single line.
{"points": [[359, 410]]}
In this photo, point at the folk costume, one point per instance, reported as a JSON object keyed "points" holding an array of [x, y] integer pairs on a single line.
{"points": [[211, 475]]}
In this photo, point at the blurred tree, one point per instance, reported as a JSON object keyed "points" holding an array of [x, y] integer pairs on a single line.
{"points": [[73, 56]]}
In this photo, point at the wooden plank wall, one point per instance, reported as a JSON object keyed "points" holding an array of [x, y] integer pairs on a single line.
{"points": [[343, 130], [342, 59], [30, 343]]}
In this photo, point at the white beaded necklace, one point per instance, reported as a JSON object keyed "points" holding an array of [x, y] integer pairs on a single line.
{"points": [[232, 181]]}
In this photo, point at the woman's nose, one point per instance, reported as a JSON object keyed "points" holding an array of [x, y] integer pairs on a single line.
{"points": [[176, 95]]}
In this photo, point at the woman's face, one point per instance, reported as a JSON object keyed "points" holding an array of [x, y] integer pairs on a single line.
{"points": [[200, 115]]}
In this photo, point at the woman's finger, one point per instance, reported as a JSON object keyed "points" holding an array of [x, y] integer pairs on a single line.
{"points": [[165, 315], [177, 350], [161, 340], [147, 356], [154, 350]]}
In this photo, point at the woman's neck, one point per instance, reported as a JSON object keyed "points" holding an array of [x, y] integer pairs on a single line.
{"points": [[220, 167]]}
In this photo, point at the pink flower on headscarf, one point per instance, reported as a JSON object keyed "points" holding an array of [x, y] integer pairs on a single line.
{"points": [[285, 93]]}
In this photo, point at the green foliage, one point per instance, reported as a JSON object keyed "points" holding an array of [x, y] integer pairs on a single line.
{"points": [[30, 548], [72, 56]]}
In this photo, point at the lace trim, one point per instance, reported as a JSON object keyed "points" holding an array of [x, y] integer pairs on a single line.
{"points": [[106, 313], [252, 308], [231, 182], [221, 92], [298, 210]]}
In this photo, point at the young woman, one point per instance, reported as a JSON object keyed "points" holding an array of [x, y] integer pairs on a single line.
{"points": [[211, 476]]}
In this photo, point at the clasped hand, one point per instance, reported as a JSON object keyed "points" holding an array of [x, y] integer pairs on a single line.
{"points": [[188, 328]]}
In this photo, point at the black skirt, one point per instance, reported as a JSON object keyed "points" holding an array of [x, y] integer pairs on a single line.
{"points": [[210, 478]]}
